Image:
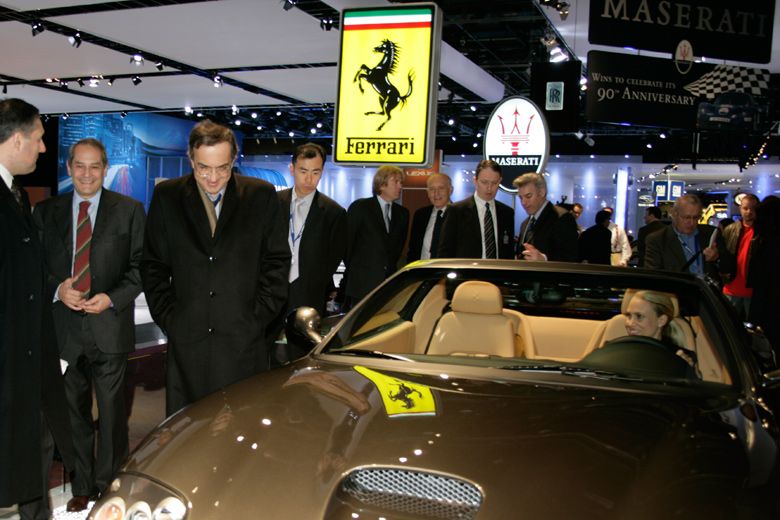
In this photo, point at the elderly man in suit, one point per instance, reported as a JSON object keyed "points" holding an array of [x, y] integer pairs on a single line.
{"points": [[479, 226], [92, 241], [683, 246], [549, 232], [214, 268], [376, 232], [32, 398], [428, 220], [315, 230]]}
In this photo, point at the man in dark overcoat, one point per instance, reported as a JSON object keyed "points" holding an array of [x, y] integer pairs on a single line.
{"points": [[32, 402], [214, 268]]}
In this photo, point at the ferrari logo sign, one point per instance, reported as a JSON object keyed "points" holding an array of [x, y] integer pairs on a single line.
{"points": [[386, 108], [401, 397]]}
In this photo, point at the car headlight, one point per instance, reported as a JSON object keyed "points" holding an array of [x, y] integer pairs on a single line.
{"points": [[131, 497]]}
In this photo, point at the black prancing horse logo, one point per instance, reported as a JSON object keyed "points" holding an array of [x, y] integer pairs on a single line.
{"points": [[389, 97]]}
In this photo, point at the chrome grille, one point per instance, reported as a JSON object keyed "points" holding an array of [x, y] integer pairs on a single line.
{"points": [[422, 495]]}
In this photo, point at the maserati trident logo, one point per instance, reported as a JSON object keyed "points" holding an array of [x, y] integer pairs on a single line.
{"points": [[378, 78], [517, 139]]}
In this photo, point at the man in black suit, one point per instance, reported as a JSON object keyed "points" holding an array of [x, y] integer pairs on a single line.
{"points": [[376, 232], [595, 243], [32, 398], [653, 223], [94, 278], [428, 220], [214, 268], [683, 246], [479, 226], [316, 233], [549, 232]]}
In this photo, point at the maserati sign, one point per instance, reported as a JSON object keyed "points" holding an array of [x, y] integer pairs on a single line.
{"points": [[517, 138]]}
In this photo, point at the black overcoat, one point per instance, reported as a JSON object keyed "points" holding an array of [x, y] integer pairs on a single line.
{"points": [[214, 296]]}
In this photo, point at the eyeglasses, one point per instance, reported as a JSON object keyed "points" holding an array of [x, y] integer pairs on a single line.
{"points": [[204, 172]]}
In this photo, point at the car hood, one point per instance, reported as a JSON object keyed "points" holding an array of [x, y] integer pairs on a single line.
{"points": [[284, 442]]}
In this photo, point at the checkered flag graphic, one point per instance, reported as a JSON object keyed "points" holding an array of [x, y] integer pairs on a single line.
{"points": [[729, 78]]}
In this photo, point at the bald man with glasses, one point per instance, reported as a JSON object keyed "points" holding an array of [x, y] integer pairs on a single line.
{"points": [[214, 268]]}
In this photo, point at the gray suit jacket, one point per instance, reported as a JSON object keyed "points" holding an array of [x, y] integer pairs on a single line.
{"points": [[114, 260], [664, 250]]}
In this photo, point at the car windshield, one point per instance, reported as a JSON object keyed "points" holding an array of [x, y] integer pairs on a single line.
{"points": [[571, 322]]}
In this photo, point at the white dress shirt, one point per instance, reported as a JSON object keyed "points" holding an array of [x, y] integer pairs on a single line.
{"points": [[481, 214], [299, 212], [425, 254]]}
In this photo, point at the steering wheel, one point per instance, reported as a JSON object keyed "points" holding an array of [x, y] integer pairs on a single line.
{"points": [[640, 354]]}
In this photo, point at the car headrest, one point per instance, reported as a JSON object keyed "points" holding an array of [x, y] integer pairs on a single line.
{"points": [[477, 298]]}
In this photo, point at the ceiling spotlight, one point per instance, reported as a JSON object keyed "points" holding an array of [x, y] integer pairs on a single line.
{"points": [[199, 114], [137, 59], [136, 80], [578, 134], [63, 83], [5, 89], [563, 10], [278, 113], [649, 145], [110, 82], [662, 135], [557, 55], [159, 65], [37, 27], [65, 115], [450, 121], [217, 81], [259, 127], [291, 133], [254, 115], [588, 140], [80, 82], [123, 114], [238, 122], [319, 125], [289, 4], [326, 24], [188, 110], [234, 109], [473, 108], [313, 130], [75, 40], [94, 82]]}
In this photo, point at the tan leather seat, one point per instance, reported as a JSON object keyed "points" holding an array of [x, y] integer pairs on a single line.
{"points": [[476, 325]]}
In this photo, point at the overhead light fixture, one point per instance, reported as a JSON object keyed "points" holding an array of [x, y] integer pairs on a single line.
{"points": [[313, 130], [662, 135], [136, 80], [94, 82], [37, 27], [557, 55], [110, 82], [278, 113], [326, 24], [259, 127], [563, 10], [65, 115], [578, 134], [63, 83], [217, 80], [289, 4], [254, 115], [159, 66], [238, 122], [80, 82], [5, 89], [137, 59], [75, 40], [234, 109], [123, 114], [588, 140], [188, 110]]}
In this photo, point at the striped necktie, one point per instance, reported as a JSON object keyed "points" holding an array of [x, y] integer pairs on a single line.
{"points": [[83, 279], [490, 235], [16, 191]]}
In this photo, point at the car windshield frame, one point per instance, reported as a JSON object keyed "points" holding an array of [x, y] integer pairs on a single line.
{"points": [[561, 292]]}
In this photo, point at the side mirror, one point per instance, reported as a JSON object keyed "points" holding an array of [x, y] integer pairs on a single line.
{"points": [[302, 328], [761, 348]]}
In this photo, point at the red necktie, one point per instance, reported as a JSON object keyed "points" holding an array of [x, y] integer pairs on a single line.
{"points": [[83, 280]]}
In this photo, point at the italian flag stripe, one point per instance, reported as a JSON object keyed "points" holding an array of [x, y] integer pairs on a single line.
{"points": [[383, 19]]}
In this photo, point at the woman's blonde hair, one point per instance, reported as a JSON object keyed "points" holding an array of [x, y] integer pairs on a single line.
{"points": [[663, 305]]}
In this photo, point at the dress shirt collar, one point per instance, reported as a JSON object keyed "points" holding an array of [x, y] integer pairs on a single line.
{"points": [[306, 200], [481, 203], [539, 211], [94, 201], [6, 175]]}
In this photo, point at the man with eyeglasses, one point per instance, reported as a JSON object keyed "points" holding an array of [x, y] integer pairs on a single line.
{"points": [[214, 268], [683, 246], [428, 220]]}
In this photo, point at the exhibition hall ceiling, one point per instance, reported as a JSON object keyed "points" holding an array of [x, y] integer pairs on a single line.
{"points": [[272, 60]]}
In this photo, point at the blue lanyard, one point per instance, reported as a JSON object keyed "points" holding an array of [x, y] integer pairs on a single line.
{"points": [[293, 237]]}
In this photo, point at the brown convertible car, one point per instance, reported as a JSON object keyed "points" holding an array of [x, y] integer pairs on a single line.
{"points": [[485, 390]]}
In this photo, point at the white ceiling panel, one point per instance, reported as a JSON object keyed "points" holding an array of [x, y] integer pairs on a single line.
{"points": [[29, 5], [317, 85], [212, 35], [50, 55], [176, 92], [55, 101]]}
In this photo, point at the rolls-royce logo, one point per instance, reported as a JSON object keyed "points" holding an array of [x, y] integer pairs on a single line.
{"points": [[378, 78]]}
